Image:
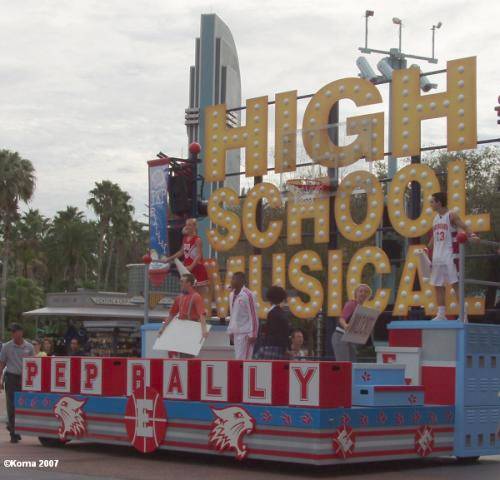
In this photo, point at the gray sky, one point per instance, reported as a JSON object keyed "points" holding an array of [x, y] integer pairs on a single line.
{"points": [[90, 90]]}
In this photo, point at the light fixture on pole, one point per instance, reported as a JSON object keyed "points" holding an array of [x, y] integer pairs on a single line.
{"points": [[398, 21], [368, 14], [434, 28]]}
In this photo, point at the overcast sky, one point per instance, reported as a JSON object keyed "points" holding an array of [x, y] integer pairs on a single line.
{"points": [[90, 90]]}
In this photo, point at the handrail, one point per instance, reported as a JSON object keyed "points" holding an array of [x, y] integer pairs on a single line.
{"points": [[469, 281]]}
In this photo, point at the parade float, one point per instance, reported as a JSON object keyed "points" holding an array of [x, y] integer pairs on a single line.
{"points": [[434, 389]]}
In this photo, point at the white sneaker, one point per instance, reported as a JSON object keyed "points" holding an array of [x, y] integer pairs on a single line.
{"points": [[438, 318]]}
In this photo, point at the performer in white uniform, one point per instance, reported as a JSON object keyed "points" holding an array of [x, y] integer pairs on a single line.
{"points": [[445, 249], [244, 323]]}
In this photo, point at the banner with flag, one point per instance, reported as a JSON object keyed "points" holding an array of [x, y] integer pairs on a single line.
{"points": [[158, 219]]}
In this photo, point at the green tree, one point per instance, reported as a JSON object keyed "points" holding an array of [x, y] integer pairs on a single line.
{"points": [[71, 249], [27, 239], [121, 222], [17, 183], [23, 294], [108, 201]]}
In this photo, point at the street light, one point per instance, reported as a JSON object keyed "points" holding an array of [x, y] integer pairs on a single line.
{"points": [[434, 28], [368, 14], [399, 22]]}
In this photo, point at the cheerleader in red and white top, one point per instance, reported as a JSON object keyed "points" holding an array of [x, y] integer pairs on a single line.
{"points": [[192, 251]]}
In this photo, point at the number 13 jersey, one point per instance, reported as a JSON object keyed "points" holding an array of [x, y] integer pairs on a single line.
{"points": [[445, 244]]}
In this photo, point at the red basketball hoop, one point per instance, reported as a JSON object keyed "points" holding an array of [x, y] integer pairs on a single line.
{"points": [[157, 275], [308, 189]]}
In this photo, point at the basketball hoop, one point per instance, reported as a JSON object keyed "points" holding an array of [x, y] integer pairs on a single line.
{"points": [[308, 189]]}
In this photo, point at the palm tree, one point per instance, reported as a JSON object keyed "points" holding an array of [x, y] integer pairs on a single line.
{"points": [[104, 200], [27, 238], [17, 183], [70, 247], [121, 220]]}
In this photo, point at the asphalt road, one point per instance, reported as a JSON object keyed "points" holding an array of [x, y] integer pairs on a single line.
{"points": [[80, 461]]}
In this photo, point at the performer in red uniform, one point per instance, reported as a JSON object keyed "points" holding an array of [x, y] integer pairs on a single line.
{"points": [[192, 251]]}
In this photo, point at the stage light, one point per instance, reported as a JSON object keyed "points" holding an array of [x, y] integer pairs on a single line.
{"points": [[366, 69], [385, 68], [425, 84]]}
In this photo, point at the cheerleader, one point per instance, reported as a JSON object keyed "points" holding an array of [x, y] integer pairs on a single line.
{"points": [[192, 251]]}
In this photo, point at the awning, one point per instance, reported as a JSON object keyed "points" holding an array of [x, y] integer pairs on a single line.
{"points": [[123, 313]]}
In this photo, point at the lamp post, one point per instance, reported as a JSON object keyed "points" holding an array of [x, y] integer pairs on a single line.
{"points": [[147, 261], [434, 28]]}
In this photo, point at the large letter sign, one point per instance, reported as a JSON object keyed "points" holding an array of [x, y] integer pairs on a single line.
{"points": [[320, 276]]}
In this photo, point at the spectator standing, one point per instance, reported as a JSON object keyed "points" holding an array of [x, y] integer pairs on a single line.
{"points": [[11, 358]]}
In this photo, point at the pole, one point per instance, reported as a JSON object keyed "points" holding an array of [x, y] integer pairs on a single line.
{"points": [[333, 174], [400, 33], [193, 157], [415, 206], [461, 282], [366, 31], [146, 293], [433, 34]]}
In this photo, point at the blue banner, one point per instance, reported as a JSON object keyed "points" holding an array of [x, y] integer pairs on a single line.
{"points": [[158, 211]]}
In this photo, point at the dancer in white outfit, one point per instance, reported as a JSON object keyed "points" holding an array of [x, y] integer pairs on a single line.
{"points": [[445, 249], [244, 323]]}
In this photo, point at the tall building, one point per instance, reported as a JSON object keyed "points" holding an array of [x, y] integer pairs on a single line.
{"points": [[214, 78]]}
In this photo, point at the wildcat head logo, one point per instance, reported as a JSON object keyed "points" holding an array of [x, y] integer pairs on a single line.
{"points": [[69, 412], [228, 428]]}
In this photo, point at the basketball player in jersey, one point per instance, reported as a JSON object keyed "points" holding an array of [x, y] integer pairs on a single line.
{"points": [[445, 249], [192, 251]]}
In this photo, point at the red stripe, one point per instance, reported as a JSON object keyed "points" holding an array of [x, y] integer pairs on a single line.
{"points": [[95, 436], [198, 446], [188, 425], [406, 431], [330, 456], [284, 433], [161, 161], [252, 312], [399, 388], [96, 418], [262, 431], [275, 453]]}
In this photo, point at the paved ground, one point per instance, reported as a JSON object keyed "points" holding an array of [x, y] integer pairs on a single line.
{"points": [[92, 461]]}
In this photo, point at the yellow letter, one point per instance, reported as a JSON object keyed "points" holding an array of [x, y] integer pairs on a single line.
{"points": [[370, 128], [306, 284], [457, 104], [225, 219], [255, 195], [220, 138], [374, 206]]}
